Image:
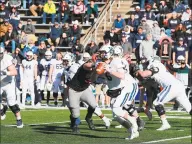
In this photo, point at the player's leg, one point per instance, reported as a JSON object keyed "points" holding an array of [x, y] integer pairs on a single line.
{"points": [[25, 86], [56, 84], [48, 91], [32, 92], [3, 110], [98, 92], [107, 98], [89, 99], [167, 94], [74, 100], [42, 86], [11, 100]]}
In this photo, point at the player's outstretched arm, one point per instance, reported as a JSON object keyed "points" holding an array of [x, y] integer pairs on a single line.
{"points": [[11, 70]]}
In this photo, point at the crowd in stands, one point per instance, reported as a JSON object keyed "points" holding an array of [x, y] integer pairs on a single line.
{"points": [[162, 27]]}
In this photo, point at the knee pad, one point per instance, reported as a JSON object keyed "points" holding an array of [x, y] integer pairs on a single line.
{"points": [[118, 111], [129, 108], [160, 109], [15, 108], [55, 95]]}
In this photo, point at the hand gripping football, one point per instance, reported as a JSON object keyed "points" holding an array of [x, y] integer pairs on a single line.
{"points": [[100, 68]]}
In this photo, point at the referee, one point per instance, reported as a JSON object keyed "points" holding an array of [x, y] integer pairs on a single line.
{"points": [[79, 91]]}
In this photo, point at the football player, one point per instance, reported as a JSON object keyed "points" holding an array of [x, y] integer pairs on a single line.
{"points": [[7, 85], [122, 90], [44, 68], [172, 89], [29, 70], [55, 74]]}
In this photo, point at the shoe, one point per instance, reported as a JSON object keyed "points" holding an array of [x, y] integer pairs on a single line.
{"points": [[3, 112], [140, 123], [19, 124], [107, 122], [3, 116], [38, 104], [119, 126], [174, 109], [90, 123], [133, 135], [75, 130], [164, 127], [149, 114]]}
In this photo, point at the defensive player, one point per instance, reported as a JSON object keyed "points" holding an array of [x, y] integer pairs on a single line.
{"points": [[55, 74], [172, 89], [29, 69], [44, 68], [72, 70], [122, 90], [7, 85]]}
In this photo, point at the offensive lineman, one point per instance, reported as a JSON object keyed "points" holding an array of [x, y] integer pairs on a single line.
{"points": [[172, 88], [29, 76], [7, 85]]}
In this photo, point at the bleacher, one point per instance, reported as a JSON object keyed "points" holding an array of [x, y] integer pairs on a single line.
{"points": [[42, 29]]}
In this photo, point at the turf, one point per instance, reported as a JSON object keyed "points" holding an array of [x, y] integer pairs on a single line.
{"points": [[52, 127]]}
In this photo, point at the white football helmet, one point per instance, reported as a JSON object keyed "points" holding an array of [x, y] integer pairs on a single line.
{"points": [[48, 55], [68, 57], [118, 51], [29, 55], [108, 50]]}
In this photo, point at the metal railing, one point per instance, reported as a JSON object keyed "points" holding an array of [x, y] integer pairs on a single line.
{"points": [[103, 16]]}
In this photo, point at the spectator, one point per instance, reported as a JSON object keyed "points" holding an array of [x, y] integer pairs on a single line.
{"points": [[146, 48], [156, 31], [148, 14], [9, 39], [186, 15], [53, 50], [4, 12], [133, 23], [180, 50], [30, 47], [66, 29], [19, 28], [77, 48], [129, 36], [138, 13], [188, 24], [41, 50], [79, 10], [55, 34], [4, 28], [75, 31], [146, 28], [64, 40], [91, 47], [92, 11], [14, 17], [137, 41], [114, 38], [63, 12], [180, 31], [29, 27], [179, 7], [119, 23], [127, 47], [49, 9], [189, 43], [36, 5]]}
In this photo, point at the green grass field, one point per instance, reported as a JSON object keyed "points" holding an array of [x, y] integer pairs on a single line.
{"points": [[52, 127]]}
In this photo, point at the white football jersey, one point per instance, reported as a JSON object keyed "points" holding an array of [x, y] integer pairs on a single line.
{"points": [[57, 68], [46, 65], [73, 69], [116, 65], [5, 63], [29, 68], [163, 77]]}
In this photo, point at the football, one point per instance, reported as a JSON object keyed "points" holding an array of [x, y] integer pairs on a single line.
{"points": [[100, 68]]}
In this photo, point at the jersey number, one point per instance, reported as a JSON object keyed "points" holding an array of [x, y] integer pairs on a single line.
{"points": [[59, 66], [109, 78], [28, 67]]}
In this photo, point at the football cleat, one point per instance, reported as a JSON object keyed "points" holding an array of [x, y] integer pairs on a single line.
{"points": [[140, 123], [90, 123], [3, 117], [164, 127], [56, 103], [119, 126], [3, 112], [107, 122], [133, 134], [149, 114], [75, 130], [19, 124]]}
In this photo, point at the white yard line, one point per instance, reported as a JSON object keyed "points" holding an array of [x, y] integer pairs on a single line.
{"points": [[170, 139]]}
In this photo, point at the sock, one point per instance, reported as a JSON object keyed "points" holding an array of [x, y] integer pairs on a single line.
{"points": [[133, 121], [18, 117], [164, 121]]}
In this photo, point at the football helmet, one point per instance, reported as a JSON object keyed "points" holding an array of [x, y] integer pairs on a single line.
{"points": [[69, 58], [118, 51], [48, 55], [108, 51], [29, 55]]}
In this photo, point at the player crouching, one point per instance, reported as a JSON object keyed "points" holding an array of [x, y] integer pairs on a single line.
{"points": [[7, 85]]}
